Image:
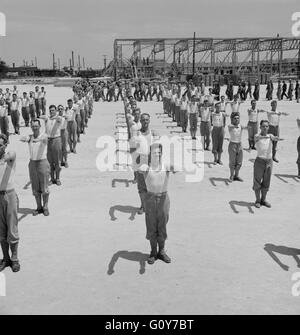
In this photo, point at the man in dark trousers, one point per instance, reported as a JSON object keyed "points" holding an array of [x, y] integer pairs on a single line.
{"points": [[156, 175], [9, 236], [284, 88]]}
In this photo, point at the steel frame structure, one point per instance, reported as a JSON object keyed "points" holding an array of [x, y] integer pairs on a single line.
{"points": [[175, 48]]}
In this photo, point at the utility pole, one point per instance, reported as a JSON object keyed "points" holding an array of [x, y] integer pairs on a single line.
{"points": [[83, 63], [72, 59], [53, 61], [104, 56], [194, 43], [35, 61]]}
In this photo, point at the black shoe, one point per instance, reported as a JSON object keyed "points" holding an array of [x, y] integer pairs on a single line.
{"points": [[265, 203], [37, 211], [275, 160], [164, 257], [140, 211], [152, 258], [15, 266], [62, 164], [237, 178], [46, 212], [4, 264]]}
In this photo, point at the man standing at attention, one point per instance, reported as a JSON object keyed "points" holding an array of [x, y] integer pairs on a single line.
{"points": [[274, 119], [218, 120], [263, 164], [9, 236], [52, 127], [253, 123], [39, 168], [15, 113], [143, 142], [71, 125], [4, 123], [157, 202], [235, 148]]}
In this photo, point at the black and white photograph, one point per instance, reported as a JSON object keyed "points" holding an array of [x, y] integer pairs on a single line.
{"points": [[150, 159]]}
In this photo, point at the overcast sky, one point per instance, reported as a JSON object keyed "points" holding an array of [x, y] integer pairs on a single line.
{"points": [[89, 27]]}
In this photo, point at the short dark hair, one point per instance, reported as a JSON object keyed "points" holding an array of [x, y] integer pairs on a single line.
{"points": [[145, 114], [4, 138], [35, 120], [52, 106], [263, 121], [70, 100]]}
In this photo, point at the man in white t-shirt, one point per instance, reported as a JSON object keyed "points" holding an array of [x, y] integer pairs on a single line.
{"points": [[156, 176], [235, 148], [4, 122], [263, 164], [39, 168], [274, 119], [143, 142], [52, 126]]}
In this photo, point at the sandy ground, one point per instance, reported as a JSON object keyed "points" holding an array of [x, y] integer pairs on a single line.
{"points": [[89, 256]]}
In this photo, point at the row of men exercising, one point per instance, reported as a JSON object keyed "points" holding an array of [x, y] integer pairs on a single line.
{"points": [[31, 108]]}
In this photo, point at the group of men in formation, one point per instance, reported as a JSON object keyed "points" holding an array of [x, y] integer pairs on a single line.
{"points": [[185, 106], [189, 106], [48, 152]]}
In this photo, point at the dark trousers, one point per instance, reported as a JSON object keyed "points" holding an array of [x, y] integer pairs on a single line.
{"points": [[274, 130], [25, 115], [15, 119], [4, 125], [262, 174]]}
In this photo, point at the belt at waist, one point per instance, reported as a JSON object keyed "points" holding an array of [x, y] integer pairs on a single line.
{"points": [[157, 194], [53, 138], [6, 192]]}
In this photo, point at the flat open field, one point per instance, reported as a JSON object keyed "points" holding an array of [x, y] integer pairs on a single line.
{"points": [[89, 256]]}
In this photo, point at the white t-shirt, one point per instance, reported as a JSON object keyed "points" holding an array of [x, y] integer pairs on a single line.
{"points": [[264, 146], [235, 133], [253, 115], [218, 119], [205, 113], [53, 126], [274, 118], [37, 150]]}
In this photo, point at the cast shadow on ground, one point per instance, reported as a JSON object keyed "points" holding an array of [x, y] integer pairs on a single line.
{"points": [[124, 181], [24, 212], [124, 209], [271, 249], [26, 186], [134, 256], [213, 181], [234, 203], [288, 176]]}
